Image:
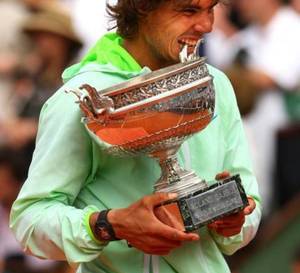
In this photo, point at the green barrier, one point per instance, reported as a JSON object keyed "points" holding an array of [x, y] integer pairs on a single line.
{"points": [[292, 103]]}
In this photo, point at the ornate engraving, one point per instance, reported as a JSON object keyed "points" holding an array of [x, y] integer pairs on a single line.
{"points": [[159, 87], [202, 98]]}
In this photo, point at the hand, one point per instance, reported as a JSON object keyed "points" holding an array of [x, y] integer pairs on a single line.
{"points": [[139, 225], [170, 215], [232, 224]]}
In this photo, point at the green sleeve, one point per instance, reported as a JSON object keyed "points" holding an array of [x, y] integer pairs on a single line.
{"points": [[43, 217], [237, 160]]}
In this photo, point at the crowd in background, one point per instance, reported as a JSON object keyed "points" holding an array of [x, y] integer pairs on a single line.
{"points": [[256, 43]]}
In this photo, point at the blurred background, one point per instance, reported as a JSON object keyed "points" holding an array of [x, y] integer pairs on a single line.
{"points": [[255, 42]]}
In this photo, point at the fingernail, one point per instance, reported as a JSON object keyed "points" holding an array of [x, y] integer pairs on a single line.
{"points": [[195, 238], [248, 211]]}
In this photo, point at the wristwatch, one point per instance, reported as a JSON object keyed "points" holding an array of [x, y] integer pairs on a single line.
{"points": [[103, 228]]}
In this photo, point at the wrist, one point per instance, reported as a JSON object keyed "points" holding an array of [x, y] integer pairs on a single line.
{"points": [[92, 223], [112, 218], [101, 226]]}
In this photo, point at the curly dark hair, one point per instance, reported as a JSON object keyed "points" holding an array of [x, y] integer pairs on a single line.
{"points": [[128, 13]]}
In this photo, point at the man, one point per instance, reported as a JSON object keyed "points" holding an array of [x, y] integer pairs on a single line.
{"points": [[71, 177], [54, 45]]}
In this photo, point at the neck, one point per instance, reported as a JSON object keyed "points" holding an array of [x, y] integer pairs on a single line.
{"points": [[143, 54]]}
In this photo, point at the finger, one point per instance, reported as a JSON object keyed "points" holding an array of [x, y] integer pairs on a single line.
{"points": [[232, 226], [228, 232], [169, 243], [229, 223], [156, 242], [170, 215], [230, 218], [251, 207], [222, 175], [213, 225], [155, 246], [159, 198], [233, 217], [170, 233]]}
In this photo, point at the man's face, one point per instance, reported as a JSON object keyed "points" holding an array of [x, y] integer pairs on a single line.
{"points": [[165, 30]]}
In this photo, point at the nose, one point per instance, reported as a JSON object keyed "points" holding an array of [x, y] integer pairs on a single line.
{"points": [[204, 22]]}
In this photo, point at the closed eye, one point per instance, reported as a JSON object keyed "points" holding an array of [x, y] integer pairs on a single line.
{"points": [[189, 10]]}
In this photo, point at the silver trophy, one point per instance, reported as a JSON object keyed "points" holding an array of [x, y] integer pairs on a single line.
{"points": [[153, 114]]}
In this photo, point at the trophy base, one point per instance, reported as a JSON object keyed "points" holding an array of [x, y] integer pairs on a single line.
{"points": [[206, 205]]}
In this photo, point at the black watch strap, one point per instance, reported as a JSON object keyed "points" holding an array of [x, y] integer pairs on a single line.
{"points": [[103, 228]]}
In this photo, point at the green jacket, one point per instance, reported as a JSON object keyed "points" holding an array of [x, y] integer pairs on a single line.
{"points": [[71, 176]]}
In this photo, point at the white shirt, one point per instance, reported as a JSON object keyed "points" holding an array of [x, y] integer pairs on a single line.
{"points": [[275, 50], [220, 49]]}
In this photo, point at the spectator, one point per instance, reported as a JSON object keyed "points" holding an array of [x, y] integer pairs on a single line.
{"points": [[270, 47], [12, 46], [54, 46], [224, 33]]}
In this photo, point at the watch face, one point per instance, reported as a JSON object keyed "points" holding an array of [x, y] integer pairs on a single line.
{"points": [[104, 234]]}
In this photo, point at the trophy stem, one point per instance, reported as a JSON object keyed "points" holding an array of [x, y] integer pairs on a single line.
{"points": [[174, 178]]}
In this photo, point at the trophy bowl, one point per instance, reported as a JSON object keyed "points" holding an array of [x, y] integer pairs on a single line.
{"points": [[153, 114]]}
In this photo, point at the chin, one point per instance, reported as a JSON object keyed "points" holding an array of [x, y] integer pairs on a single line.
{"points": [[175, 58], [173, 61]]}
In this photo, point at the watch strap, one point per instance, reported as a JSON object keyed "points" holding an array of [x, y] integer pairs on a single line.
{"points": [[103, 228]]}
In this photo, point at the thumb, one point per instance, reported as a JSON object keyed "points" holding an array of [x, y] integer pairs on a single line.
{"points": [[250, 208], [222, 175], [160, 197]]}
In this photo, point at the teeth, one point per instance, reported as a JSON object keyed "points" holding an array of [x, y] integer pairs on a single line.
{"points": [[183, 55], [189, 49], [188, 42]]}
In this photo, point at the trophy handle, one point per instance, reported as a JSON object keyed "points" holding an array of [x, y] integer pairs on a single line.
{"points": [[95, 106], [97, 103]]}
